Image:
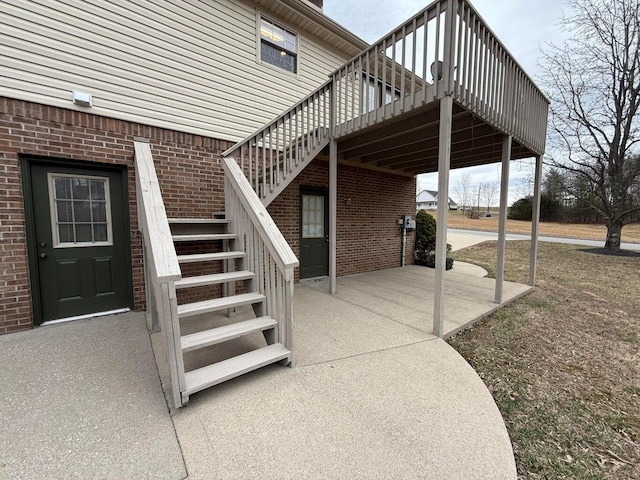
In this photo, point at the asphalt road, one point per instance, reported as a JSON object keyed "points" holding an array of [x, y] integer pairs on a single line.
{"points": [[463, 238]]}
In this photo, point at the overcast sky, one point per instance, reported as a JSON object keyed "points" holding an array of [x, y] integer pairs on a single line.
{"points": [[522, 26]]}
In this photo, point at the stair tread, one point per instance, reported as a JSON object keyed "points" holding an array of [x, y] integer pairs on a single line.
{"points": [[210, 375], [213, 336], [208, 257], [214, 221], [216, 304], [214, 278], [203, 236]]}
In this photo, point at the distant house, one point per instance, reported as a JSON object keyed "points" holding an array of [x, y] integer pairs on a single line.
{"points": [[428, 200]]}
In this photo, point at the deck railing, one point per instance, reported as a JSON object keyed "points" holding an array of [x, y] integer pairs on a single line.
{"points": [[160, 263], [272, 155], [269, 255], [446, 49]]}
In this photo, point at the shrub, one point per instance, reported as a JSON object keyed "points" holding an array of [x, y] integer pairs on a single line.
{"points": [[520, 210], [426, 241], [550, 209]]}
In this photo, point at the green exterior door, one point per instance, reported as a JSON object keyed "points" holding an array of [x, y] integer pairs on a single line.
{"points": [[314, 233], [80, 241]]}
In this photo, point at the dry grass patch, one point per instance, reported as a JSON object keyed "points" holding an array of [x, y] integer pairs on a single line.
{"points": [[563, 363], [630, 233]]}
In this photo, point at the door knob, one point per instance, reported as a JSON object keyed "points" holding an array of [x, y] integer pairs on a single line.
{"points": [[43, 255]]}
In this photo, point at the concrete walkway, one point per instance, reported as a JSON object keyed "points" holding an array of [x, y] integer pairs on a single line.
{"points": [[83, 400]]}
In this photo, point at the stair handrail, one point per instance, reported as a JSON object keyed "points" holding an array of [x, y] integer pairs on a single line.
{"points": [[161, 265], [231, 152], [259, 216], [270, 156], [268, 255]]}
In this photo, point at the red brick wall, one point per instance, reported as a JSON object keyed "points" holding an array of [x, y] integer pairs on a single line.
{"points": [[369, 237], [191, 180], [188, 169]]}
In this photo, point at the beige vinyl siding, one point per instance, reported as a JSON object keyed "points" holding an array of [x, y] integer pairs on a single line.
{"points": [[186, 65]]}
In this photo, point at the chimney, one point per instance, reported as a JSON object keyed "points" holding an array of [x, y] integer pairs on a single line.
{"points": [[317, 3]]}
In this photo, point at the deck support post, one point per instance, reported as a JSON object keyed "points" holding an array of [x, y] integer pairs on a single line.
{"points": [[535, 222], [502, 224], [333, 206], [444, 163], [333, 184]]}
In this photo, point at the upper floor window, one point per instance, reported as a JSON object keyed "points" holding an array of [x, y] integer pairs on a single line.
{"points": [[278, 46], [375, 95]]}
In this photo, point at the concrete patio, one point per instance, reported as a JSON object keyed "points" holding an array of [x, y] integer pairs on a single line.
{"points": [[373, 395]]}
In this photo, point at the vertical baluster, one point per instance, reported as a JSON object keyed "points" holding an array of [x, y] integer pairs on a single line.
{"points": [[290, 144], [508, 92], [459, 59], [476, 66], [368, 86], [281, 308], [352, 79], [485, 70], [277, 153], [403, 48], [489, 79], [289, 294], [345, 113], [297, 134], [468, 44], [268, 280], [264, 164], [394, 67], [325, 109], [425, 60], [274, 290], [248, 149], [361, 93], [315, 120], [307, 128], [383, 81], [270, 158], [496, 80], [260, 265], [436, 57], [413, 63]]}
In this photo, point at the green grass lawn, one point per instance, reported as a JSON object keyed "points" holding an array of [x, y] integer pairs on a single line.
{"points": [[563, 363]]}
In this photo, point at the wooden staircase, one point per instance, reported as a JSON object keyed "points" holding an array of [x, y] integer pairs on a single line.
{"points": [[216, 301], [222, 296]]}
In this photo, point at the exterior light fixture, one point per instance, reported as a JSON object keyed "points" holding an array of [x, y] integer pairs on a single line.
{"points": [[436, 70], [83, 99]]}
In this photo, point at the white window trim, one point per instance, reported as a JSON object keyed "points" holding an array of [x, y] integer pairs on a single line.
{"points": [[54, 218], [259, 16]]}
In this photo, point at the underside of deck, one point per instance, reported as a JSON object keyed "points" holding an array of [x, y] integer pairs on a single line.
{"points": [[408, 143]]}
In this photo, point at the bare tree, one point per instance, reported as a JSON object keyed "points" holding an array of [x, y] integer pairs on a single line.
{"points": [[525, 184], [489, 192], [594, 85], [463, 191]]}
